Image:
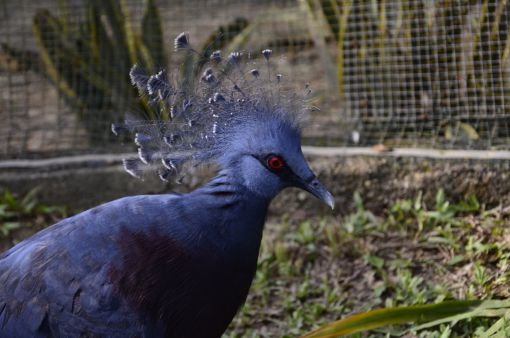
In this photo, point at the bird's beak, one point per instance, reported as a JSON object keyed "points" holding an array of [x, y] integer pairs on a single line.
{"points": [[315, 188]]}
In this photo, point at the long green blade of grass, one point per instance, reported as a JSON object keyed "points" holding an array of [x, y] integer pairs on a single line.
{"points": [[398, 315], [488, 308]]}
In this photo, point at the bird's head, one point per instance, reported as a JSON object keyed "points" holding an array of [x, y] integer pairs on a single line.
{"points": [[236, 114], [266, 155]]}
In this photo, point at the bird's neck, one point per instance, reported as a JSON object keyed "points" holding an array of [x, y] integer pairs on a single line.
{"points": [[241, 213], [228, 184]]}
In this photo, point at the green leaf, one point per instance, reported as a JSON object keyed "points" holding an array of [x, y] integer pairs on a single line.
{"points": [[470, 204], [489, 308], [231, 37], [113, 21], [48, 210], [46, 30], [342, 30], [29, 201], [152, 37], [129, 34], [375, 261], [440, 199], [332, 14], [10, 200], [66, 67], [225, 35], [498, 327], [64, 16], [398, 315], [7, 227], [5, 213], [456, 260]]}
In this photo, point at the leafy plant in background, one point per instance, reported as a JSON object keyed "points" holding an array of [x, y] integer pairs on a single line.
{"points": [[15, 211], [231, 36], [409, 211], [84, 61], [89, 65], [361, 220]]}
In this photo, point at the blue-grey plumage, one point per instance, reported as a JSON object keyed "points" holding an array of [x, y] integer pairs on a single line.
{"points": [[139, 266], [163, 265]]}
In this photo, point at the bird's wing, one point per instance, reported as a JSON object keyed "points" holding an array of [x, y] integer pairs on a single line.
{"points": [[60, 280]]}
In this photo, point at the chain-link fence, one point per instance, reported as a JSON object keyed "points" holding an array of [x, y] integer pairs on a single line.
{"points": [[403, 72]]}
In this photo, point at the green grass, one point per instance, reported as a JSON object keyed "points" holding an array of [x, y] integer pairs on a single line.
{"points": [[318, 270], [21, 216]]}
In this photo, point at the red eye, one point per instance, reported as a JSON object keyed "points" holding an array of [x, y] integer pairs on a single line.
{"points": [[275, 162]]}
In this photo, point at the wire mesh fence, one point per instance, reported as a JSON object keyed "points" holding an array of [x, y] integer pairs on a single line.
{"points": [[433, 72], [403, 72]]}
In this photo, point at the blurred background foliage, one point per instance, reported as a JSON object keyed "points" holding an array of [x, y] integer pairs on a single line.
{"points": [[403, 73], [440, 67], [84, 61]]}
